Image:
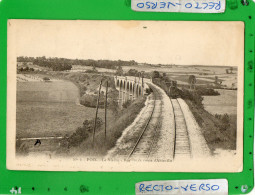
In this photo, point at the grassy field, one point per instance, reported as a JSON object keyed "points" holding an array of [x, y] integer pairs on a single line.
{"points": [[49, 109], [36, 119], [53, 91], [185, 78], [79, 68], [225, 103]]}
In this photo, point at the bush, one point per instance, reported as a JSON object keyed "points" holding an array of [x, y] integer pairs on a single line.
{"points": [[207, 91], [225, 121], [27, 69], [114, 107], [82, 133], [91, 100], [92, 71], [193, 96], [218, 116], [46, 78], [127, 104]]}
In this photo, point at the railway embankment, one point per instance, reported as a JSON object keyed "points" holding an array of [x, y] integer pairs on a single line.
{"points": [[198, 145]]}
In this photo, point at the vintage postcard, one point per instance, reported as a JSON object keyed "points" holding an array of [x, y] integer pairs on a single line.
{"points": [[157, 96]]}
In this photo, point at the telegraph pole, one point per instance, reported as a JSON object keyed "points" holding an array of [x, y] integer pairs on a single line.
{"points": [[95, 124], [142, 84], [105, 111]]}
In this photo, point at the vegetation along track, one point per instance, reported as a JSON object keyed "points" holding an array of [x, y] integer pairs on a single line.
{"points": [[182, 143], [147, 138]]}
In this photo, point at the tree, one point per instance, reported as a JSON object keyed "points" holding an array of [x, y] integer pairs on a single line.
{"points": [[119, 71], [231, 70], [216, 80], [225, 122], [132, 72], [94, 68], [114, 107], [192, 81], [155, 74], [132, 62]]}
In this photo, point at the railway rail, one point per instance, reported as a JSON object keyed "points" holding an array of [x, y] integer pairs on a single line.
{"points": [[146, 140], [182, 143]]}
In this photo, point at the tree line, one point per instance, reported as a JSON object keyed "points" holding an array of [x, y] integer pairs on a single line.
{"points": [[66, 64]]}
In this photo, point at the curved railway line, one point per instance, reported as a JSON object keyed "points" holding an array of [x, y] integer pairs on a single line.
{"points": [[165, 130], [146, 140], [182, 147]]}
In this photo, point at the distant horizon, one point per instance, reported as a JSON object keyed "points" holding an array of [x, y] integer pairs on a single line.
{"points": [[133, 60]]}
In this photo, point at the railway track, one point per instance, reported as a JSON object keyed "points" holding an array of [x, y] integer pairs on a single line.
{"points": [[182, 143], [147, 139]]}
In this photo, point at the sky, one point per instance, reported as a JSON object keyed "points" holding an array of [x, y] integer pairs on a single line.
{"points": [[155, 42]]}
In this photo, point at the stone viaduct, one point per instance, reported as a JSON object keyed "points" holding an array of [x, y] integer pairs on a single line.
{"points": [[130, 87]]}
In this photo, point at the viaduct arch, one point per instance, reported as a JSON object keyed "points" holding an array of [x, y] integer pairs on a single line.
{"points": [[130, 87]]}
